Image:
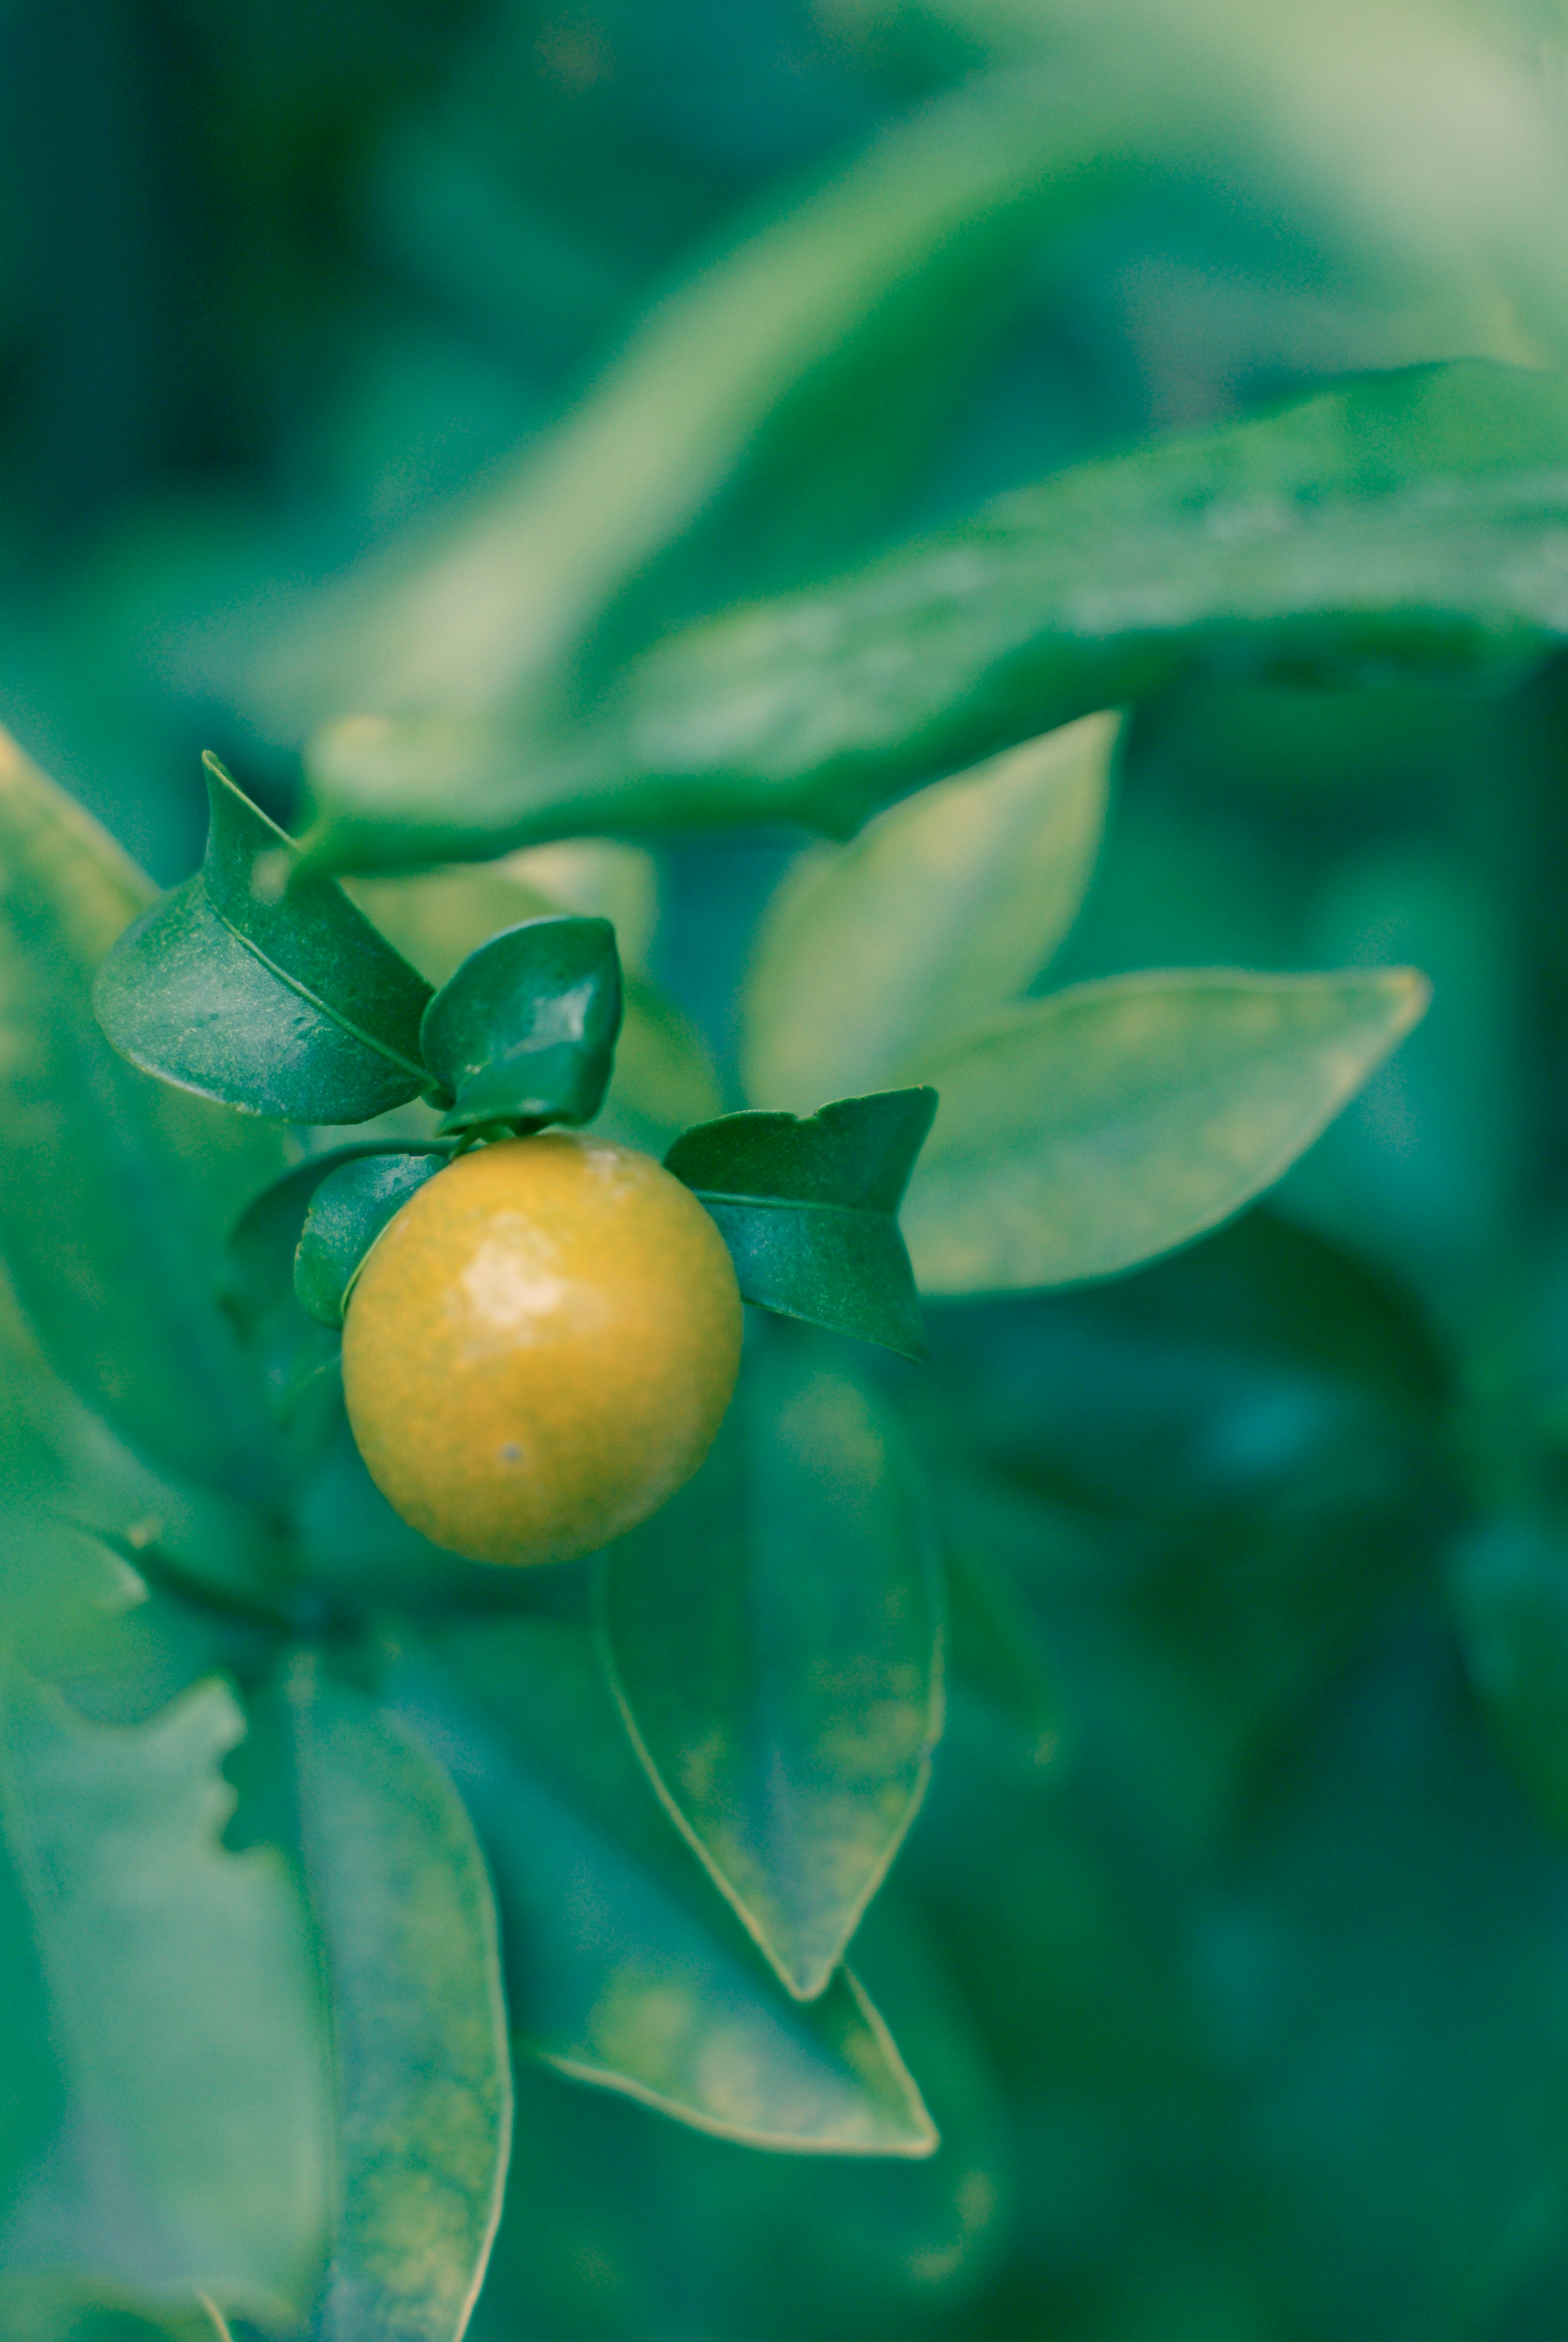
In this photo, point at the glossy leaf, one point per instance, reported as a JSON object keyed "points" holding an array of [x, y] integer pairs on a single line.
{"points": [[347, 1211], [624, 1968], [259, 983], [419, 2025], [1085, 1132], [944, 908], [524, 1032], [295, 1351], [663, 1077], [774, 1640], [809, 1209], [1404, 524], [113, 1189], [187, 2095]]}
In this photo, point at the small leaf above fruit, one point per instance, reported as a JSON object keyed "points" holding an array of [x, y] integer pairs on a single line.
{"points": [[525, 1033], [809, 1209]]}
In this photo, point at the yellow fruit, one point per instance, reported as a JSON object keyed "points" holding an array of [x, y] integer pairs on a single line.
{"points": [[540, 1347]]}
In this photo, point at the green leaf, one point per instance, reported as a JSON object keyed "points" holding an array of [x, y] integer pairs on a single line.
{"points": [[524, 1032], [809, 1209], [663, 1078], [774, 1640], [623, 1967], [1508, 1588], [189, 2112], [943, 909], [347, 1210], [1081, 1134], [507, 589], [259, 983], [419, 2025], [1405, 524], [113, 1189]]}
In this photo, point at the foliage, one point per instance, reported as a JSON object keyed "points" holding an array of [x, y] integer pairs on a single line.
{"points": [[1058, 1827]]}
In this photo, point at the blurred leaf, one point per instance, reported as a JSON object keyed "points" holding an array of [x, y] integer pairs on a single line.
{"points": [[113, 1189], [419, 2025], [190, 2094], [774, 1640], [64, 2309], [945, 907], [1508, 1587], [1085, 1132], [1407, 523], [623, 1967], [996, 1660], [809, 1209], [347, 1209], [524, 1032], [664, 1079], [507, 589], [259, 983]]}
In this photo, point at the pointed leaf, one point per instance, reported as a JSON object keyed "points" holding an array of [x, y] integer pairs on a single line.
{"points": [[945, 907], [624, 1968], [188, 2093], [1401, 524], [347, 1210], [259, 983], [1081, 1134], [295, 1351], [419, 2025], [809, 1209], [774, 1640], [525, 1033], [114, 1190]]}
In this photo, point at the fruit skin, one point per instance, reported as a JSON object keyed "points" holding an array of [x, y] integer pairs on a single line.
{"points": [[540, 1347]]}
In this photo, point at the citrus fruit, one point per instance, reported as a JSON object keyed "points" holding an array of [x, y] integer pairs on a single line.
{"points": [[540, 1347]]}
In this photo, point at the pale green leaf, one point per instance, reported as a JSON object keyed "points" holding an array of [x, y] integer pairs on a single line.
{"points": [[187, 2142], [114, 1189], [625, 1968], [944, 908], [774, 1640], [1081, 1134], [419, 2025]]}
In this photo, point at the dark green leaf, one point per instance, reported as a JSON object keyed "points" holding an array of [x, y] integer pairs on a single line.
{"points": [[419, 2025], [525, 1033], [190, 2094], [259, 983], [774, 1640], [346, 1212], [113, 1189], [1508, 1584], [1405, 524], [945, 907], [809, 1209], [625, 1968], [1085, 1132]]}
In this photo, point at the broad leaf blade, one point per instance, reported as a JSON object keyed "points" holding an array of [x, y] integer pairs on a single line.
{"points": [[625, 1968], [1404, 524], [809, 1209], [524, 1032], [423, 2069], [113, 1189], [347, 1211], [944, 908], [260, 985], [189, 2146], [774, 1639], [1081, 1134]]}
